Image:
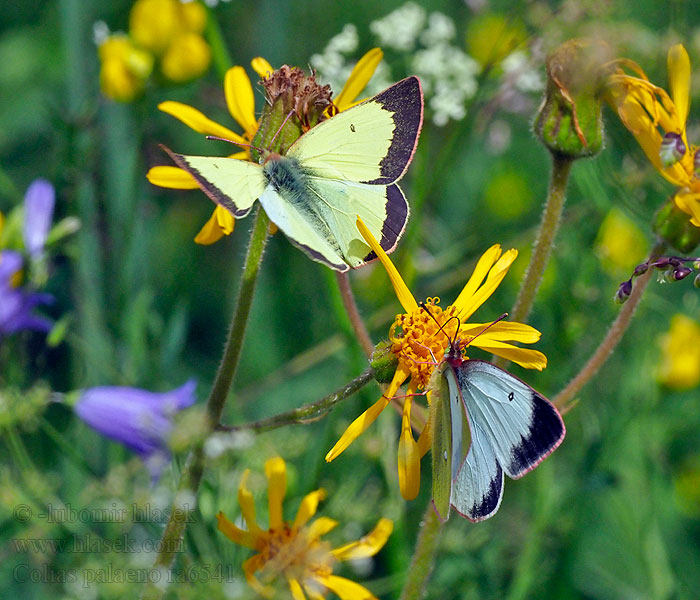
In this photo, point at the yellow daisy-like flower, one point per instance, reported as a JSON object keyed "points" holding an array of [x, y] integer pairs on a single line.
{"points": [[240, 100], [680, 354], [658, 122], [419, 344], [295, 551]]}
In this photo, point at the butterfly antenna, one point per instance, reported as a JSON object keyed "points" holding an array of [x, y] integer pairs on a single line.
{"points": [[485, 329], [272, 141], [220, 139], [441, 327]]}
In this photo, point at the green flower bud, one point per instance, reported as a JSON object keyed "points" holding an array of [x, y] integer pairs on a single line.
{"points": [[673, 226], [569, 121], [384, 362], [294, 103]]}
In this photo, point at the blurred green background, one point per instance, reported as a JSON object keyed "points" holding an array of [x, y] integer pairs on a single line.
{"points": [[614, 513]]}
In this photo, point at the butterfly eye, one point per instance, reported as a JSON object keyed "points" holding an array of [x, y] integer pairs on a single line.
{"points": [[511, 396]]}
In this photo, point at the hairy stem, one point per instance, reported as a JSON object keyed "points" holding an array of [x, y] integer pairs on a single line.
{"points": [[309, 412], [356, 321], [191, 477], [563, 399], [423, 556]]}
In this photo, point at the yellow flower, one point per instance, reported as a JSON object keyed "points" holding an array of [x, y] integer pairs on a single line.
{"points": [[155, 24], [238, 91], [419, 344], [124, 68], [680, 354], [294, 551], [186, 58], [658, 122]]}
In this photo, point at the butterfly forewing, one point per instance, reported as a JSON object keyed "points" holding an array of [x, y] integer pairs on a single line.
{"points": [[522, 426], [231, 183], [372, 142]]}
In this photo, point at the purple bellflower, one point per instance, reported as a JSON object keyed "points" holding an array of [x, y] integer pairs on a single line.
{"points": [[17, 304], [38, 213], [139, 419]]}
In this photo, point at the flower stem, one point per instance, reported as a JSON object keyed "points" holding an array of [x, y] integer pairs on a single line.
{"points": [[309, 412], [191, 477], [423, 556], [615, 332], [353, 313], [561, 168]]}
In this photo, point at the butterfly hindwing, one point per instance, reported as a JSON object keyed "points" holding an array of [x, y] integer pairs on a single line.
{"points": [[441, 453], [383, 209], [477, 479], [523, 427]]}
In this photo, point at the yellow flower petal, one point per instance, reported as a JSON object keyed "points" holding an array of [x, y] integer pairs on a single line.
{"points": [[679, 82], [480, 271], [320, 527], [689, 202], [295, 588], [247, 504], [493, 280], [368, 545], [359, 77], [197, 121], [250, 566], [502, 331], [307, 508], [358, 426], [425, 439], [344, 588], [219, 224], [236, 535], [525, 357], [171, 177], [240, 99], [276, 472], [261, 66], [400, 288], [408, 457]]}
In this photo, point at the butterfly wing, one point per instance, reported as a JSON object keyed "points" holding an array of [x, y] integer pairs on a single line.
{"points": [[350, 163], [372, 142], [521, 426], [441, 454], [477, 480], [216, 175], [450, 440]]}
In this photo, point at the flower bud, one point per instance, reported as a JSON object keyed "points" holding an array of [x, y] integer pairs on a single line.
{"points": [[673, 226], [681, 273], [672, 149], [384, 362], [294, 103], [641, 269], [623, 292], [569, 121], [696, 281]]}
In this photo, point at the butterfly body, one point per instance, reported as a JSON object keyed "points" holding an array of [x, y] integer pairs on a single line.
{"points": [[487, 422], [344, 167]]}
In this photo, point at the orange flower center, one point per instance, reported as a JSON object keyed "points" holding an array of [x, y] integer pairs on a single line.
{"points": [[419, 339], [294, 554]]}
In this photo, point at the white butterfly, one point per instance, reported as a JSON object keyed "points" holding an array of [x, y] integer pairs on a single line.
{"points": [[343, 167], [512, 429]]}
